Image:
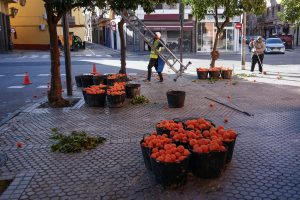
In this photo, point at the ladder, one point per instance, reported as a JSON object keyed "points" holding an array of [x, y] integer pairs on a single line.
{"points": [[169, 58]]}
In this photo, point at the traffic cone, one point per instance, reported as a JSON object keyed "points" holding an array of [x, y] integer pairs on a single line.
{"points": [[26, 79], [94, 70]]}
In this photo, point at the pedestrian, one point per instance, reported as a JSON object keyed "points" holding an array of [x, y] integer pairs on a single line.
{"points": [[154, 57], [60, 46], [250, 48], [258, 48]]}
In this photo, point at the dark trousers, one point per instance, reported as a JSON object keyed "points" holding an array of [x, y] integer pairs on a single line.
{"points": [[153, 63], [255, 60]]}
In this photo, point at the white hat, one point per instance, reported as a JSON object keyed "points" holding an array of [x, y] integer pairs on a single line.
{"points": [[158, 34], [259, 38]]}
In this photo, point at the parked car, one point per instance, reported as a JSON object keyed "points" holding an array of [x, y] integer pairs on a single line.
{"points": [[274, 45], [287, 40]]}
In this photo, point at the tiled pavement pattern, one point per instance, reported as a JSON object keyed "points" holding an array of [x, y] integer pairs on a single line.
{"points": [[265, 164]]}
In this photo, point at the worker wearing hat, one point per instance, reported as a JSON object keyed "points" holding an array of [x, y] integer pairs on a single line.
{"points": [[154, 56], [258, 48]]}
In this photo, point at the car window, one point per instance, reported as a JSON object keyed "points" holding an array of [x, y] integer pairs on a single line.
{"points": [[274, 40]]}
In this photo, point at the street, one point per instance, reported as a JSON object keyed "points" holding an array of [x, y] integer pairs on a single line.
{"points": [[37, 64]]}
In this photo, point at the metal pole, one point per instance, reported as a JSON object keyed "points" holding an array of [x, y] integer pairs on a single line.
{"points": [[67, 55], [181, 13], [244, 49]]}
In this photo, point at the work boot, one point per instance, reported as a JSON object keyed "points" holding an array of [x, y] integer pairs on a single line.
{"points": [[161, 78]]}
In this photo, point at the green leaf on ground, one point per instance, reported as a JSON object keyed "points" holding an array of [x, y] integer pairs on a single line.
{"points": [[74, 142], [140, 100]]}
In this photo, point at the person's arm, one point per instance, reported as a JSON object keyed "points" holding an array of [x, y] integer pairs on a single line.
{"points": [[263, 46], [251, 44]]}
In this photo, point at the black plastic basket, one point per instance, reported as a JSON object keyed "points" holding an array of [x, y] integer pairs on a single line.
{"points": [[170, 174], [78, 81], [176, 99], [133, 90], [96, 100], [226, 74], [202, 74], [116, 101], [207, 165], [146, 156], [99, 79], [214, 74], [230, 148], [161, 131], [84, 96], [87, 80]]}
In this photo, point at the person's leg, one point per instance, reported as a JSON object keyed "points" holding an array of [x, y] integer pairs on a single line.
{"points": [[161, 78], [254, 61], [261, 59], [150, 65]]}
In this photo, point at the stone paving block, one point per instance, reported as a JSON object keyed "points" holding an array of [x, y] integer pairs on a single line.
{"points": [[263, 166]]}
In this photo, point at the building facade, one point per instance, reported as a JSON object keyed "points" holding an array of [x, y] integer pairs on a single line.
{"points": [[30, 26], [228, 41], [5, 30], [197, 35], [269, 25]]}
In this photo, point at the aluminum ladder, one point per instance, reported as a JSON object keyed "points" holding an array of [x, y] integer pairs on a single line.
{"points": [[170, 59]]}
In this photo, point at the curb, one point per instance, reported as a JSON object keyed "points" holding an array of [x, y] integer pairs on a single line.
{"points": [[20, 110]]}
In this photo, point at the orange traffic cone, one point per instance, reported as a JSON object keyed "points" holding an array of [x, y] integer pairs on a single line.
{"points": [[26, 79], [94, 70]]}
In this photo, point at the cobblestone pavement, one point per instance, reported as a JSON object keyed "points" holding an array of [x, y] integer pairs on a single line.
{"points": [[265, 164]]}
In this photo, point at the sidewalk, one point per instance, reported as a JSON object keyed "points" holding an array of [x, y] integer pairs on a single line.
{"points": [[265, 164]]}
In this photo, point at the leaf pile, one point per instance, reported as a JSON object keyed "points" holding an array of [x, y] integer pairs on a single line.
{"points": [[74, 142], [140, 100]]}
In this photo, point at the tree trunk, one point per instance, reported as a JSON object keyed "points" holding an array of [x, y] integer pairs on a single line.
{"points": [[123, 47], [55, 94], [215, 53]]}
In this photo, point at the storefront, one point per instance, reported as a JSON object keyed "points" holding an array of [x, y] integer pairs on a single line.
{"points": [[169, 27], [228, 40]]}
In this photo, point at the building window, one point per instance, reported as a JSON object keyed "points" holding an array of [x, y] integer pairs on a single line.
{"points": [[267, 12], [273, 11], [278, 7]]}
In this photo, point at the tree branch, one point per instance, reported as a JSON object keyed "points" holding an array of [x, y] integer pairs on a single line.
{"points": [[225, 23], [216, 17]]}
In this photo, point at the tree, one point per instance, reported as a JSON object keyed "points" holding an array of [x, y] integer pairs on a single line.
{"points": [[121, 6], [223, 9], [55, 10], [291, 11]]}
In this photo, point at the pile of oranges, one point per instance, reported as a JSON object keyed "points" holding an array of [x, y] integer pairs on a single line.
{"points": [[156, 141], [170, 125], [116, 76], [200, 135], [202, 69], [94, 89], [198, 124], [215, 69], [117, 89], [170, 153], [185, 135]]}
